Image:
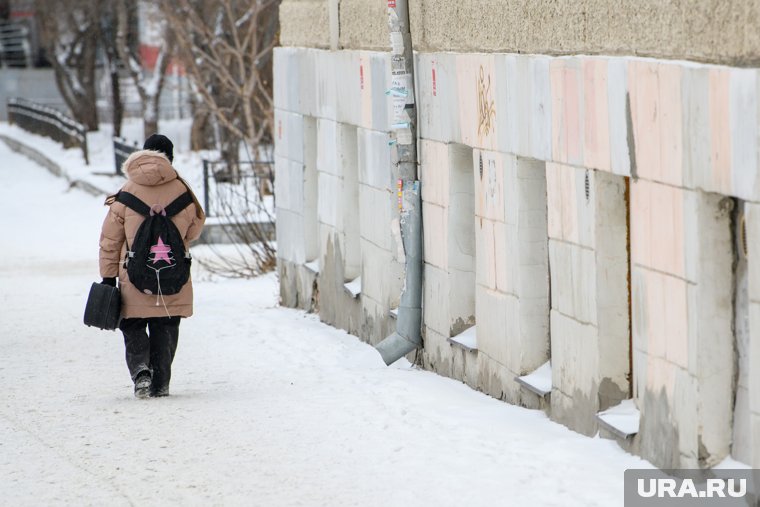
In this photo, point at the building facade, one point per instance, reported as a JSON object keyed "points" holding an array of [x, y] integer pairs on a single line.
{"points": [[591, 205]]}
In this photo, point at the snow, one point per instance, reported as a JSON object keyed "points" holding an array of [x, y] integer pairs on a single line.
{"points": [[624, 417], [467, 338], [269, 406], [540, 380], [313, 266], [354, 287]]}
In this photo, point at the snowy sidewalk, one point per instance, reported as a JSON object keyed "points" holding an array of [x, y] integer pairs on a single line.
{"points": [[269, 407]]}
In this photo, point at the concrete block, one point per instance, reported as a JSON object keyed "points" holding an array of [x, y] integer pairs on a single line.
{"points": [[675, 308], [560, 260], [289, 135], [656, 114], [639, 308], [501, 263], [754, 358], [461, 304], [348, 75], [696, 127], [657, 226], [567, 110], [438, 107], [436, 303], [575, 359], [329, 209], [375, 159], [296, 187], [307, 92], [540, 108], [619, 111], [380, 68], [286, 75], [461, 169], [507, 90], [494, 311], [290, 245], [511, 190], [671, 118], [744, 133], [435, 235], [562, 194], [586, 207], [478, 103], [376, 273], [327, 147], [573, 274], [489, 185], [596, 114], [554, 200], [529, 348], [485, 264], [523, 109], [460, 224], [434, 172], [348, 152], [282, 181], [752, 230], [375, 216], [326, 83], [645, 117], [511, 256], [755, 429], [719, 96]]}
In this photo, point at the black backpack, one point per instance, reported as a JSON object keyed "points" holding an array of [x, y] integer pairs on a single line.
{"points": [[157, 262]]}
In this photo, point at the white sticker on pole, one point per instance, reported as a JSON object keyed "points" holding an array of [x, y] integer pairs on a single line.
{"points": [[397, 43], [404, 136]]}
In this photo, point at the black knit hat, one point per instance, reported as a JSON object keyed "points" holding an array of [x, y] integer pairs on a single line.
{"points": [[157, 142]]}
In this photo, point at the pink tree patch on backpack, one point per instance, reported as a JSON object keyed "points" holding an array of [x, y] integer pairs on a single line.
{"points": [[161, 252]]}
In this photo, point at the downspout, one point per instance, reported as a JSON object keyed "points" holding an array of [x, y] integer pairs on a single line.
{"points": [[407, 336]]}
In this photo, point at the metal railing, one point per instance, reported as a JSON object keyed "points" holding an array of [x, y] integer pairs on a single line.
{"points": [[15, 49], [49, 122], [121, 151], [238, 189]]}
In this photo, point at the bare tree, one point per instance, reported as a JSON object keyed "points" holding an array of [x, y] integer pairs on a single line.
{"points": [[113, 64], [226, 49], [148, 83], [70, 35]]}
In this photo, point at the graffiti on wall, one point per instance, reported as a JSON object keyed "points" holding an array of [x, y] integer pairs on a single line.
{"points": [[486, 109]]}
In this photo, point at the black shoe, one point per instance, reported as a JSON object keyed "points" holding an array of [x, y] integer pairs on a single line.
{"points": [[159, 392], [142, 386]]}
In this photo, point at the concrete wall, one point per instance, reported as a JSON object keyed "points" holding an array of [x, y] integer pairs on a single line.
{"points": [[524, 163], [588, 256], [709, 31]]}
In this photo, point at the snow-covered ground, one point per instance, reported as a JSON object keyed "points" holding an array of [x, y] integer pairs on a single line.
{"points": [[269, 406]]}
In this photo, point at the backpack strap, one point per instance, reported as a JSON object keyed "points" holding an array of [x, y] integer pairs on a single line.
{"points": [[133, 202], [179, 204]]}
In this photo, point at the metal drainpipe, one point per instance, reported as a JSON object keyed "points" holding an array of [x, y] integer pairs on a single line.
{"points": [[404, 138]]}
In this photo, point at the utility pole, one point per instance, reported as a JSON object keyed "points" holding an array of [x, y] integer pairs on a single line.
{"points": [[404, 140]]}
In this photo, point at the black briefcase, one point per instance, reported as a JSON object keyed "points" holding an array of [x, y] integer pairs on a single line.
{"points": [[103, 308]]}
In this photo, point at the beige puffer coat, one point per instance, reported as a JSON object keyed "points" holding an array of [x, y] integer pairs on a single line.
{"points": [[154, 181]]}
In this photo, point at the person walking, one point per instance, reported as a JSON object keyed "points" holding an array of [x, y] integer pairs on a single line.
{"points": [[150, 318]]}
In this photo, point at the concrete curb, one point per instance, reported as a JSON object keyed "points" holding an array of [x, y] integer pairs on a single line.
{"points": [[51, 166]]}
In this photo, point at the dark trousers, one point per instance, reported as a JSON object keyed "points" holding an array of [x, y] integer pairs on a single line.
{"points": [[150, 346]]}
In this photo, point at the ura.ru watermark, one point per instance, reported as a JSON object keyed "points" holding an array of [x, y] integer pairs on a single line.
{"points": [[692, 487]]}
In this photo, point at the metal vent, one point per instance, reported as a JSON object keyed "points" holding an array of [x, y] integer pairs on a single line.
{"points": [[587, 185], [480, 164]]}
